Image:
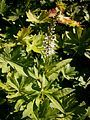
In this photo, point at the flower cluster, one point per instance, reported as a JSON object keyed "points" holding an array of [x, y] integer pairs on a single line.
{"points": [[49, 41]]}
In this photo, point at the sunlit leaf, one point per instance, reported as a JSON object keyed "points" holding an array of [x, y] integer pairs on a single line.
{"points": [[18, 68], [87, 54], [29, 111], [31, 74], [11, 84], [38, 100], [31, 17], [13, 95], [88, 112], [13, 18], [4, 86], [18, 104], [36, 72], [65, 92], [55, 103], [69, 72], [44, 82], [57, 67]]}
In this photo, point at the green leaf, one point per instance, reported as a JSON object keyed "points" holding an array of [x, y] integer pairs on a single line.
{"points": [[28, 112], [43, 17], [28, 87], [88, 112], [69, 72], [31, 17], [64, 92], [35, 43], [55, 102], [2, 6], [15, 95], [36, 71], [4, 86], [18, 104], [87, 54], [35, 49], [5, 68], [12, 85], [57, 67], [63, 63], [18, 68], [66, 117], [79, 32], [2, 100], [23, 34], [22, 83], [32, 74], [13, 18], [44, 82], [38, 100], [2, 59], [81, 80], [14, 65], [53, 76], [87, 15]]}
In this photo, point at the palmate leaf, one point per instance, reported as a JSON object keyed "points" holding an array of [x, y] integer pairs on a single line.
{"points": [[28, 112], [68, 72], [12, 85], [56, 68], [29, 90], [32, 74], [23, 33], [55, 103], [32, 42], [63, 92], [35, 43], [13, 82], [18, 68], [53, 76], [14, 65], [42, 18], [31, 17]]}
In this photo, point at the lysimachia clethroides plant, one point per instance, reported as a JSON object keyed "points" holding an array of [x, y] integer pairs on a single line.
{"points": [[32, 69]]}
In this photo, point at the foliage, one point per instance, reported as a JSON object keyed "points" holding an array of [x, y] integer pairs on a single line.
{"points": [[41, 43]]}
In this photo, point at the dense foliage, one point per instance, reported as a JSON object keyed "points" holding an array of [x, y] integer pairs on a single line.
{"points": [[44, 60]]}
